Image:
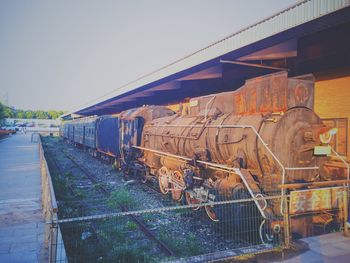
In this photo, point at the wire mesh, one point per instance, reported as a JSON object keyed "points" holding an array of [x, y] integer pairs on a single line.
{"points": [[185, 230]]}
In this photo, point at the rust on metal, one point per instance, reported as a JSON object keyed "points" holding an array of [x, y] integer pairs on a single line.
{"points": [[313, 184], [304, 201]]}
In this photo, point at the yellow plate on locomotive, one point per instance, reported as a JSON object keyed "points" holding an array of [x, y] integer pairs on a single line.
{"points": [[304, 201], [322, 150]]}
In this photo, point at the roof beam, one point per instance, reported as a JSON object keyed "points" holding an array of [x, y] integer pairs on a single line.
{"points": [[235, 62]]}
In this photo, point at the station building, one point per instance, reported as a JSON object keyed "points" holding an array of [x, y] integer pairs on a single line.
{"points": [[310, 37]]}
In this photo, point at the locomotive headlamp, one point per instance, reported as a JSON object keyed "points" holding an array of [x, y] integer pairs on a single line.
{"points": [[326, 137]]}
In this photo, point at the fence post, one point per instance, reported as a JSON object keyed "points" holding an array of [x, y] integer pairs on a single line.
{"points": [[53, 241], [286, 221], [345, 210]]}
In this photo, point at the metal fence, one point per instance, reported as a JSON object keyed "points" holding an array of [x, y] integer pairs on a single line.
{"points": [[172, 233], [184, 233], [49, 208]]}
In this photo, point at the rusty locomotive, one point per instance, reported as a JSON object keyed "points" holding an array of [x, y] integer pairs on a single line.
{"points": [[238, 144]]}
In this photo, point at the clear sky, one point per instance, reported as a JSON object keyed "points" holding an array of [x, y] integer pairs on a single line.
{"points": [[62, 54]]}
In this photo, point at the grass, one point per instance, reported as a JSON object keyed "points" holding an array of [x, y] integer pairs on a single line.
{"points": [[118, 245], [183, 246], [97, 186], [131, 225], [120, 197]]}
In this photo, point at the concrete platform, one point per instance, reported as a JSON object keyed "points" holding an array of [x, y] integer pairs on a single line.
{"points": [[329, 248], [21, 223]]}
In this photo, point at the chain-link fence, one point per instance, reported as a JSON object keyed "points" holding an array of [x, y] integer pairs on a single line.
{"points": [[166, 234], [194, 233]]}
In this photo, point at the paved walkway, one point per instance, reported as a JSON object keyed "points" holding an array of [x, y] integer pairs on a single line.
{"points": [[329, 248], [21, 222]]}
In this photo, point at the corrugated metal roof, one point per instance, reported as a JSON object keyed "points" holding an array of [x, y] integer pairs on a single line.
{"points": [[294, 16]]}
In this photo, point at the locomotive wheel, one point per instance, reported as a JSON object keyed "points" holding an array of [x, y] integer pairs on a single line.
{"points": [[163, 180], [192, 201], [177, 188], [211, 214]]}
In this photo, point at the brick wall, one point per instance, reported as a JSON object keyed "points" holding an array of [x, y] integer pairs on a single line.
{"points": [[332, 100]]}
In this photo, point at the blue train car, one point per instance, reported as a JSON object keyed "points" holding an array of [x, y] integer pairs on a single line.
{"points": [[107, 135], [64, 130], [71, 131], [78, 132], [131, 125], [89, 129]]}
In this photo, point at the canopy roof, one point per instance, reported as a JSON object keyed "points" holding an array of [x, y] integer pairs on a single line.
{"points": [[311, 36]]}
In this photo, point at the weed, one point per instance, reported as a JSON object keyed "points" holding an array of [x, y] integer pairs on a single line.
{"points": [[97, 186], [120, 197], [131, 225], [80, 194], [182, 245]]}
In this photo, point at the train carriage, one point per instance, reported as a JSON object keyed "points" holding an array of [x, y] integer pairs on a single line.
{"points": [[107, 136], [79, 133], [71, 128], [89, 132]]}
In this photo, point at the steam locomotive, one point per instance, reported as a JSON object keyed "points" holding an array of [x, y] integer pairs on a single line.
{"points": [[238, 144]]}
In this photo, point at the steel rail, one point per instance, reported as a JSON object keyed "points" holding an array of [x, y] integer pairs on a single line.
{"points": [[138, 221], [80, 202]]}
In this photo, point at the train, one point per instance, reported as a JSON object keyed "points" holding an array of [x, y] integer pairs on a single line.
{"points": [[238, 144]]}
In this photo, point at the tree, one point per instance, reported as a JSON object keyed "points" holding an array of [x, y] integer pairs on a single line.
{"points": [[29, 114], [2, 113], [8, 112], [20, 114], [42, 114], [53, 114]]}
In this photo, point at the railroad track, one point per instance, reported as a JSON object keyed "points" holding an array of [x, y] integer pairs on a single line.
{"points": [[148, 233], [81, 203], [84, 178]]}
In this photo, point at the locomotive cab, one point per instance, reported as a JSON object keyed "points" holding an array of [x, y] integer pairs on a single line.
{"points": [[131, 124]]}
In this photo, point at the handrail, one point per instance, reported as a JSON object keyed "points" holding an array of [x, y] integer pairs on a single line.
{"points": [[206, 107], [213, 165], [345, 162], [321, 183], [235, 126], [284, 169], [260, 139], [301, 168]]}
